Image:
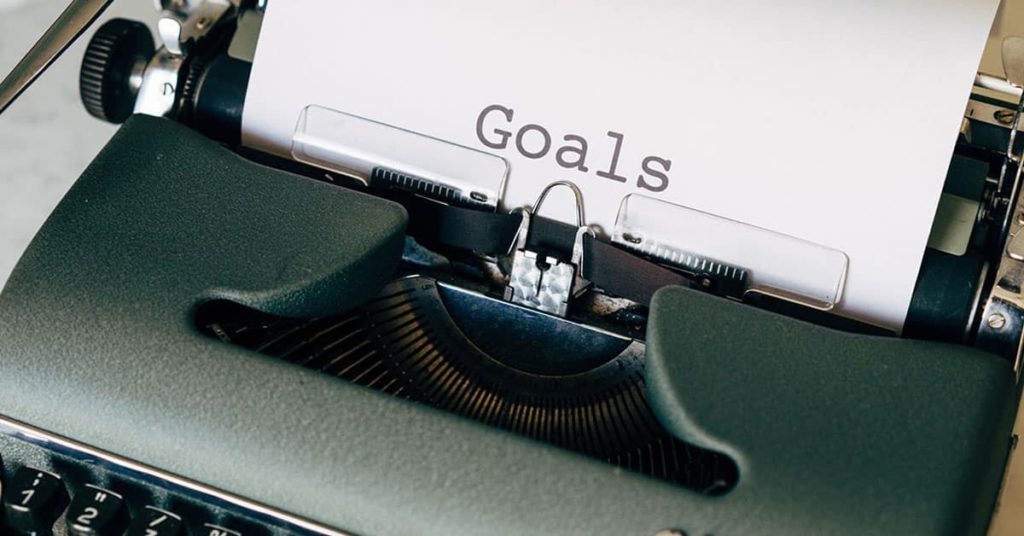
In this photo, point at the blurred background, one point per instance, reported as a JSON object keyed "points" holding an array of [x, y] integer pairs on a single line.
{"points": [[47, 139]]}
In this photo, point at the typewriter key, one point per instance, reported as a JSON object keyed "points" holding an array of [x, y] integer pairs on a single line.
{"points": [[216, 530], [34, 500], [155, 522], [97, 512]]}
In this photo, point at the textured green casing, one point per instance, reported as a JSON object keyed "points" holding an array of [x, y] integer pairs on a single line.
{"points": [[833, 433], [97, 343]]}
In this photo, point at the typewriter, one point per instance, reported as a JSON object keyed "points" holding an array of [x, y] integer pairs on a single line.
{"points": [[205, 339]]}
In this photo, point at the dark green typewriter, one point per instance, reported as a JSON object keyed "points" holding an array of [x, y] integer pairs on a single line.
{"points": [[208, 340]]}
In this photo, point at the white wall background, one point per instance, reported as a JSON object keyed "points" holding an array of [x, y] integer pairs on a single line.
{"points": [[46, 138]]}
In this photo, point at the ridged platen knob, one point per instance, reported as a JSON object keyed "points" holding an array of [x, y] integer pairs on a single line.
{"points": [[112, 69]]}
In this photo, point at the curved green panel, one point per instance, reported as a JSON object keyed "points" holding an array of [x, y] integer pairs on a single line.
{"points": [[834, 433]]}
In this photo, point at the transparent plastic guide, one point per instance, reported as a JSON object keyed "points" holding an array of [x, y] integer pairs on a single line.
{"points": [[777, 265], [378, 153]]}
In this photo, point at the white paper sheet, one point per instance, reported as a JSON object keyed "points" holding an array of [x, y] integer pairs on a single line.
{"points": [[829, 121]]}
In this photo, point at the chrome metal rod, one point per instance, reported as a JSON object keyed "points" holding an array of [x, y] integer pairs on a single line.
{"points": [[996, 83], [64, 31]]}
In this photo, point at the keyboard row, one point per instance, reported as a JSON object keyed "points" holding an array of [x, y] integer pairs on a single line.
{"points": [[34, 499], [54, 486]]}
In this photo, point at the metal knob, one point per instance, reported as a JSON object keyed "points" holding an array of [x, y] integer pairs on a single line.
{"points": [[112, 69]]}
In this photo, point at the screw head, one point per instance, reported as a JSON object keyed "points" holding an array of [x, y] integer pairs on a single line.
{"points": [[1004, 117], [997, 321], [632, 238]]}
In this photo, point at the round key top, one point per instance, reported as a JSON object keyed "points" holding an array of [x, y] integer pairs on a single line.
{"points": [[97, 512], [210, 529], [33, 500], [155, 522]]}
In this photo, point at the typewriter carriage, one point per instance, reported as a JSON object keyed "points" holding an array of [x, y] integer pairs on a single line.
{"points": [[210, 70]]}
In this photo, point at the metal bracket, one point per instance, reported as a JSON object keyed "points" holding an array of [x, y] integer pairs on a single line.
{"points": [[542, 282], [183, 23], [1002, 323]]}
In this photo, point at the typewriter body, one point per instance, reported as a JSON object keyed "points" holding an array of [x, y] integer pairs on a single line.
{"points": [[205, 339]]}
